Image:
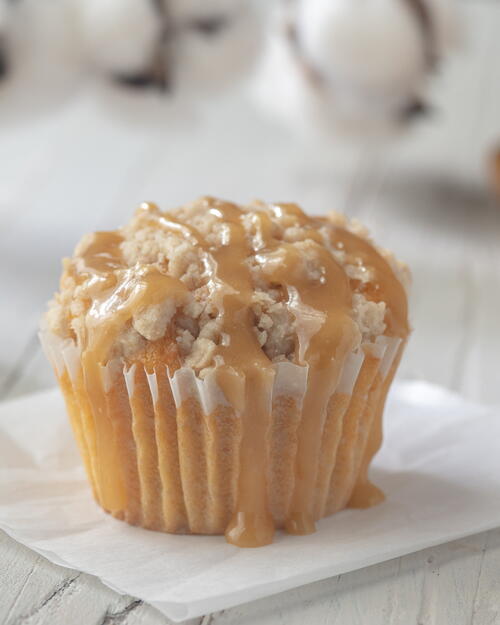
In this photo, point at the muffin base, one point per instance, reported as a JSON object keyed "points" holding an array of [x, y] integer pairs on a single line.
{"points": [[165, 452]]}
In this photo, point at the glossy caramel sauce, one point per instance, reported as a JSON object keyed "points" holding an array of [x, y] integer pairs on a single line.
{"points": [[244, 373], [383, 286]]}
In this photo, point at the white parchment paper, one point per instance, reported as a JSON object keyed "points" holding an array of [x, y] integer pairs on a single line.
{"points": [[439, 467]]}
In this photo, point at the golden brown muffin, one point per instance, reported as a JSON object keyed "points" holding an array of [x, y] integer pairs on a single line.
{"points": [[225, 367]]}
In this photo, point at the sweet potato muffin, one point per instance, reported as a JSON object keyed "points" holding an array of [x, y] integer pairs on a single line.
{"points": [[225, 367]]}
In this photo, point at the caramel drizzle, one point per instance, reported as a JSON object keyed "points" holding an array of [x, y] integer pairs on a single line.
{"points": [[244, 372], [384, 285]]}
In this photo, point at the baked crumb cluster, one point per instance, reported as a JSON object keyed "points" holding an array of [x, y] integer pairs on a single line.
{"points": [[196, 324]]}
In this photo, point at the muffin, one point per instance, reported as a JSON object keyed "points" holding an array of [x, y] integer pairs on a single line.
{"points": [[225, 367]]}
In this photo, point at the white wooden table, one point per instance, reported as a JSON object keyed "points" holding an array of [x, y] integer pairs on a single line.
{"points": [[82, 170]]}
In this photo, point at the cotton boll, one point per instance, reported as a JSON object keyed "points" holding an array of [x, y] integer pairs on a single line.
{"points": [[323, 145], [207, 60], [381, 48], [373, 44], [285, 89], [45, 34], [358, 68], [183, 45], [376, 55], [44, 56], [120, 36]]}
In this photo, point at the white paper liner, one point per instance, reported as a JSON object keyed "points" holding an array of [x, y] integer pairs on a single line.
{"points": [[392, 346], [153, 386], [186, 385], [129, 376], [197, 474], [351, 371], [290, 379]]}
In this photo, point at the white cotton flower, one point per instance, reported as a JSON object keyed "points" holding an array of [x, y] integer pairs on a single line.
{"points": [[43, 53], [353, 67], [361, 45], [180, 45], [120, 36]]}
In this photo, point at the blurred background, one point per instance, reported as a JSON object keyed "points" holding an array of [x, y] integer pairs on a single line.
{"points": [[387, 110]]}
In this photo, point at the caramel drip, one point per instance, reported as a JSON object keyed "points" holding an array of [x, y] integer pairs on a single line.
{"points": [[327, 349], [326, 334], [103, 254], [169, 223], [324, 356], [384, 286], [246, 378], [118, 292], [365, 493]]}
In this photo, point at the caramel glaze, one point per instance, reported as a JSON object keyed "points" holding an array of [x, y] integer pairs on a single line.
{"points": [[383, 286], [244, 372]]}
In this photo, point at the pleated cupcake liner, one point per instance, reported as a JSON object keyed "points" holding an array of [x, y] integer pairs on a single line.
{"points": [[165, 451]]}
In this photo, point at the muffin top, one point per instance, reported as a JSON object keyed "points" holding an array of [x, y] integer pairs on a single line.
{"points": [[213, 283]]}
